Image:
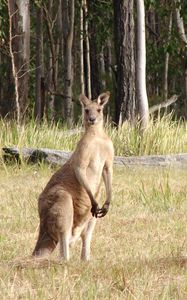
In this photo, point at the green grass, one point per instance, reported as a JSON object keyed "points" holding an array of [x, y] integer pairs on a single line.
{"points": [[163, 136], [138, 250]]}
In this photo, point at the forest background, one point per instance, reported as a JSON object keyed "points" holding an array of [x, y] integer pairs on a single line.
{"points": [[51, 51]]}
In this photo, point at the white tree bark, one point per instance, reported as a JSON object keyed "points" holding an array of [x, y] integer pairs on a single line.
{"points": [[19, 17], [183, 37], [180, 25], [23, 6], [141, 66], [87, 52], [14, 71], [68, 15], [82, 49]]}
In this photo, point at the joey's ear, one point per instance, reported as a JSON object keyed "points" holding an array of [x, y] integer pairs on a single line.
{"points": [[84, 100], [103, 98]]}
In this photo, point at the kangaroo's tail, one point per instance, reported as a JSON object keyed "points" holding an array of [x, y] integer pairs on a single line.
{"points": [[45, 244]]}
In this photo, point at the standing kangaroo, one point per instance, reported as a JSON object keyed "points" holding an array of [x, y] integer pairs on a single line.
{"points": [[68, 206]]}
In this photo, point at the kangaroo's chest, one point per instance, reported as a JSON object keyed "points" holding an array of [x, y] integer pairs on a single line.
{"points": [[95, 167]]}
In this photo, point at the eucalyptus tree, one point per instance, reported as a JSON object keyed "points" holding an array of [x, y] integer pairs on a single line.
{"points": [[19, 18], [40, 90], [183, 37], [141, 66], [68, 17]]}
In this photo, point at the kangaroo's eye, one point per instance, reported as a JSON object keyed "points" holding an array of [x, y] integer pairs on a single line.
{"points": [[99, 110], [86, 111]]}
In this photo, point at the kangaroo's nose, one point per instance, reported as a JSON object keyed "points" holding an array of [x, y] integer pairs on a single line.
{"points": [[92, 119]]}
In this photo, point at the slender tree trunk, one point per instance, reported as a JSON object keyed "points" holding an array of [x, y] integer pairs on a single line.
{"points": [[180, 24], [82, 49], [39, 105], [125, 59], [166, 65], [1, 87], [141, 66], [60, 25], [20, 52], [68, 7], [96, 87], [102, 69], [24, 9], [54, 44], [183, 37], [108, 62], [14, 50], [185, 102], [87, 66]]}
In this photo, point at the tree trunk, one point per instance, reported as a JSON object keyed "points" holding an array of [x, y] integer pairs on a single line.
{"points": [[87, 67], [108, 62], [183, 37], [96, 87], [68, 31], [141, 66], [20, 52], [166, 65], [185, 101], [82, 50], [102, 69], [125, 59], [39, 105]]}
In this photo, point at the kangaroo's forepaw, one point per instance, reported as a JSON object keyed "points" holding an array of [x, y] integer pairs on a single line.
{"points": [[103, 211], [95, 210]]}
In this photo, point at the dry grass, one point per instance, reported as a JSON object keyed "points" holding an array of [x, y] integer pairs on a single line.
{"points": [[163, 136], [138, 249]]}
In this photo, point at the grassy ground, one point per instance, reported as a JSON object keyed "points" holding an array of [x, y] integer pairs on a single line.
{"points": [[138, 249]]}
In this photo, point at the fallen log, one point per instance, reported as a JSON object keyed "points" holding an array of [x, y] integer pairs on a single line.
{"points": [[59, 157]]}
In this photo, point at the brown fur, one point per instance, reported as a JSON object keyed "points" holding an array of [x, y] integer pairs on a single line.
{"points": [[68, 204]]}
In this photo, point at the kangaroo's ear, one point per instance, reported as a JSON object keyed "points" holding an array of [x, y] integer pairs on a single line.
{"points": [[103, 98], [84, 100]]}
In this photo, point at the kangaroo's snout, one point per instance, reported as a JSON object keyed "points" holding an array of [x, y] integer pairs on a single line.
{"points": [[92, 119]]}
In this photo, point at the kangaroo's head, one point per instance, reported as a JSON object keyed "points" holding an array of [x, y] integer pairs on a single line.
{"points": [[93, 109]]}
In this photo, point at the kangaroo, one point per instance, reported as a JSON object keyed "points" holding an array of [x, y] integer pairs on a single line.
{"points": [[68, 206]]}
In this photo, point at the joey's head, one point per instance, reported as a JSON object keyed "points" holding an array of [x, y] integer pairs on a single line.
{"points": [[93, 110]]}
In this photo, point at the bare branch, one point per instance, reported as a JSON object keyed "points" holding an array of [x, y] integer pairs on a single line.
{"points": [[58, 93], [163, 104]]}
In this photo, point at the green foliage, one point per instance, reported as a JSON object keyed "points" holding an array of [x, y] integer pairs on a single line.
{"points": [[101, 14]]}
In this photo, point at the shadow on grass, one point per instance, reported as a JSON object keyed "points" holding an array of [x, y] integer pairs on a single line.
{"points": [[42, 263]]}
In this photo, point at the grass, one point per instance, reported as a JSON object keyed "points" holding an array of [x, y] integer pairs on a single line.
{"points": [[138, 250], [163, 136]]}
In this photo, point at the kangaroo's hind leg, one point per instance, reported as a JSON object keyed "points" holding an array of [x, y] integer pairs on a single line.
{"points": [[65, 224], [86, 239]]}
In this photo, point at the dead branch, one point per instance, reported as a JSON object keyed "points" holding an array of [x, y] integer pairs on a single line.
{"points": [[163, 104], [58, 93]]}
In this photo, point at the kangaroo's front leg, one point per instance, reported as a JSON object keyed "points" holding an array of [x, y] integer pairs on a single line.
{"points": [[82, 178], [107, 177]]}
